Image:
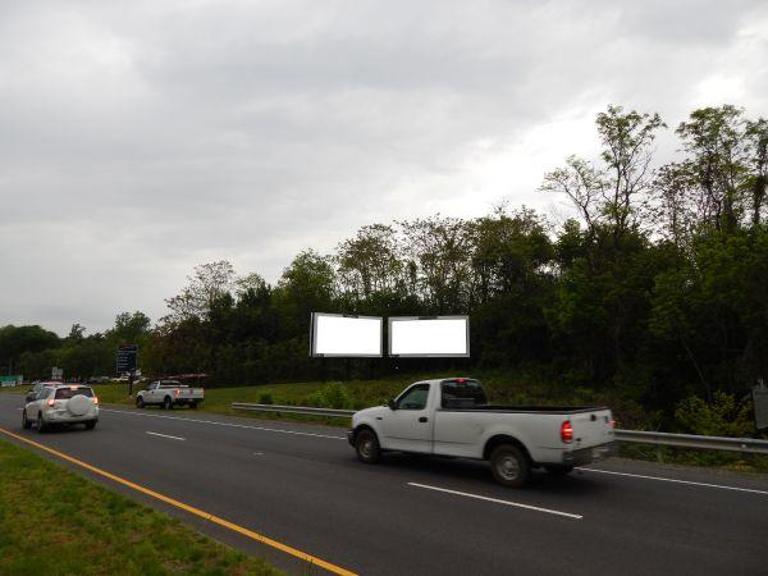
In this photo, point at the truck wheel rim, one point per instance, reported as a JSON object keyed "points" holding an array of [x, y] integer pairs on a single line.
{"points": [[508, 467], [366, 448]]}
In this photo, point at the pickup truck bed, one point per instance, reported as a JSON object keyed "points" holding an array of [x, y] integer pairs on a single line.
{"points": [[519, 409]]}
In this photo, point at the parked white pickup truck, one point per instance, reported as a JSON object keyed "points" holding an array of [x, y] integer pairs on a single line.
{"points": [[452, 417], [170, 393]]}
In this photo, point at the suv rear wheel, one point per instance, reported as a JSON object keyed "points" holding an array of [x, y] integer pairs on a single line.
{"points": [[41, 425], [25, 423]]}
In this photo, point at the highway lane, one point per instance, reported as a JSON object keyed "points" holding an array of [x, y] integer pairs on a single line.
{"points": [[302, 485]]}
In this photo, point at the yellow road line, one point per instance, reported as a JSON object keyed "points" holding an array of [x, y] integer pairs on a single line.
{"points": [[314, 560]]}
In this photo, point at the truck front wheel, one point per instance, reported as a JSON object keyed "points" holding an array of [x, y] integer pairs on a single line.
{"points": [[509, 466], [367, 446]]}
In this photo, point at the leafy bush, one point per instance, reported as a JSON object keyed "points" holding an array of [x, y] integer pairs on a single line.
{"points": [[724, 416], [333, 395], [265, 398]]}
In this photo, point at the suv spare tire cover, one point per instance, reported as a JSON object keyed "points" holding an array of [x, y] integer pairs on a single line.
{"points": [[78, 405]]}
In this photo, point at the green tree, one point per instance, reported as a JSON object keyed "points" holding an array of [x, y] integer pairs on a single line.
{"points": [[18, 340]]}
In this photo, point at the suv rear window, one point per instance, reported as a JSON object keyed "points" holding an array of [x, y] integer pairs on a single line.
{"points": [[66, 393], [462, 393]]}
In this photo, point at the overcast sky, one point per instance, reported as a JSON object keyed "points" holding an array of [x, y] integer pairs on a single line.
{"points": [[139, 139]]}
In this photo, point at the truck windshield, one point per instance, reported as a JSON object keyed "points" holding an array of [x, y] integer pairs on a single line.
{"points": [[462, 393]]}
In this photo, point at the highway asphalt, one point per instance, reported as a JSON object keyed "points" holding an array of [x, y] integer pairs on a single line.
{"points": [[302, 485]]}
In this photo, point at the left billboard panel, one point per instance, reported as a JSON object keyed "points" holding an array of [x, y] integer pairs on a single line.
{"points": [[345, 335]]}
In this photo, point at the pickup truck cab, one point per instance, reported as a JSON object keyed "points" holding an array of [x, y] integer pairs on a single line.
{"points": [[170, 393], [452, 417]]}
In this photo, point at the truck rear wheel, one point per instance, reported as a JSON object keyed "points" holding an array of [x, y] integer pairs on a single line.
{"points": [[509, 466], [367, 446], [168, 403], [139, 402]]}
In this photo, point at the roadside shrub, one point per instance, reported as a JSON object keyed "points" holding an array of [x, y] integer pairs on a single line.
{"points": [[724, 416], [333, 395], [265, 398]]}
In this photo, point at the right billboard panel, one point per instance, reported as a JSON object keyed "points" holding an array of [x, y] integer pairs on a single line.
{"points": [[429, 336]]}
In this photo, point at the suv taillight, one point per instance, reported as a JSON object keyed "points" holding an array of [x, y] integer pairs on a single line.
{"points": [[566, 432], [51, 402]]}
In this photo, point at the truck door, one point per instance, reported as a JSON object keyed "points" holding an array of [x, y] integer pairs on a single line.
{"points": [[409, 426]]}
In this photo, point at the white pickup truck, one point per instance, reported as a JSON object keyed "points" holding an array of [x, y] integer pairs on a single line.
{"points": [[452, 417], [170, 393]]}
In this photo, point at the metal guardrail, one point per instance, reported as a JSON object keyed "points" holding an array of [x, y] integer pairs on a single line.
{"points": [[743, 445], [308, 410]]}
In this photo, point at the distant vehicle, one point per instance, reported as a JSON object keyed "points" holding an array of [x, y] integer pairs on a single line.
{"points": [[37, 386], [62, 404], [452, 417], [170, 393]]}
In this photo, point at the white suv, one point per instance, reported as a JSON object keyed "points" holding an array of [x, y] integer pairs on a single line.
{"points": [[62, 404]]}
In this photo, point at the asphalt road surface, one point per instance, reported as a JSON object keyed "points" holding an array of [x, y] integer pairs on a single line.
{"points": [[301, 485]]}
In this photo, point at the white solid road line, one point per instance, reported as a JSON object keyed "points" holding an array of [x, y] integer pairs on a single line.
{"points": [[228, 424], [676, 481], [166, 436], [497, 501]]}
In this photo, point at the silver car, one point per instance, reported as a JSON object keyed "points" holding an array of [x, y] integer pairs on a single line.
{"points": [[62, 404]]}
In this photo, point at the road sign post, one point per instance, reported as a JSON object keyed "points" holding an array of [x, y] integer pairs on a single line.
{"points": [[127, 357]]}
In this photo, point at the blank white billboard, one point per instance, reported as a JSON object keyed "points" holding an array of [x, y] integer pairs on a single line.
{"points": [[346, 335], [432, 336]]}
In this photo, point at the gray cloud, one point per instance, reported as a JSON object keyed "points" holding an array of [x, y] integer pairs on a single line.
{"points": [[138, 139]]}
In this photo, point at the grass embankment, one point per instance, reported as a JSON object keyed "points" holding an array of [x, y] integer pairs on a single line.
{"points": [[55, 522]]}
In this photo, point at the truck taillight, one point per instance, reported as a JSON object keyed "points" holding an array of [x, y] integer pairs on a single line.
{"points": [[95, 399], [612, 423], [566, 432], [51, 402], [177, 392]]}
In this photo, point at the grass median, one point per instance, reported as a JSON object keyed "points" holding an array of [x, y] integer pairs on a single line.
{"points": [[55, 522]]}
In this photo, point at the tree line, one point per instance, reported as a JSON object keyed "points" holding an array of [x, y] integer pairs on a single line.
{"points": [[656, 289]]}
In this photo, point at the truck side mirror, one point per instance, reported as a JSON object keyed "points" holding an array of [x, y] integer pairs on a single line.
{"points": [[392, 405]]}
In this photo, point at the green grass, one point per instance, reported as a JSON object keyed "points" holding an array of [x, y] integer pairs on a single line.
{"points": [[54, 522]]}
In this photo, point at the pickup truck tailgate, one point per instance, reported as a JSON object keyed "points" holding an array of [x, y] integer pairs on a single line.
{"points": [[189, 393], [592, 428]]}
